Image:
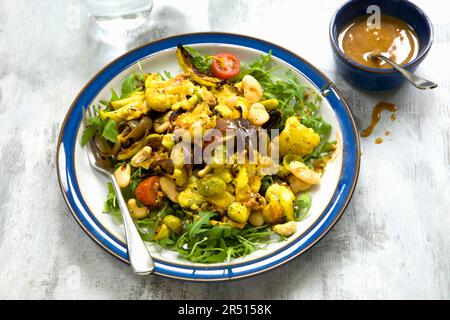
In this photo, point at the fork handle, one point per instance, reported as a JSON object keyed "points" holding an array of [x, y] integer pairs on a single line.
{"points": [[141, 261]]}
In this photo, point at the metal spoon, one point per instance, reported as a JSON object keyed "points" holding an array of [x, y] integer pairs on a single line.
{"points": [[417, 81]]}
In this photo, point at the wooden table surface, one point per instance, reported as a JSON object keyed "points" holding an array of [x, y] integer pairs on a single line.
{"points": [[392, 242]]}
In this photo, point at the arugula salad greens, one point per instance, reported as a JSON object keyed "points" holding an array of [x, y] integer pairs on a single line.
{"points": [[213, 211]]}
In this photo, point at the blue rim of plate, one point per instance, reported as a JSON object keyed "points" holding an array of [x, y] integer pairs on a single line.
{"points": [[337, 205]]}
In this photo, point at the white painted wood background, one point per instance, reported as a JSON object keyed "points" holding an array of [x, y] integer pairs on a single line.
{"points": [[392, 242]]}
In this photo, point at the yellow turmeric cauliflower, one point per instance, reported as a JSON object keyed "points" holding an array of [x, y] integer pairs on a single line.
{"points": [[200, 117], [190, 198], [297, 139], [129, 108], [227, 98], [162, 94]]}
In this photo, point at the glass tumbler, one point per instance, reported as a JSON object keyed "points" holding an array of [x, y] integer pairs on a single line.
{"points": [[118, 21]]}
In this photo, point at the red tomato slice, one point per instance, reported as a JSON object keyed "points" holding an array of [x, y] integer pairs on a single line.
{"points": [[225, 66]]}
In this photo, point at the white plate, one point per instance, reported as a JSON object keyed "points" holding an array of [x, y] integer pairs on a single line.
{"points": [[85, 189]]}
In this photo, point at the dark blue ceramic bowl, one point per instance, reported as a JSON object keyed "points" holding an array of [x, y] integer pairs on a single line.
{"points": [[372, 78]]}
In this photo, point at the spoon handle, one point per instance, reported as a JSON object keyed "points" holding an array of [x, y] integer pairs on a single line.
{"points": [[417, 81]]}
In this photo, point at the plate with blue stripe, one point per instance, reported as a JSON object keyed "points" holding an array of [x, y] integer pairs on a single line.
{"points": [[84, 189]]}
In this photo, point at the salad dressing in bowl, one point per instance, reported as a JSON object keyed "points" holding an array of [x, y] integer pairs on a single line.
{"points": [[395, 39]]}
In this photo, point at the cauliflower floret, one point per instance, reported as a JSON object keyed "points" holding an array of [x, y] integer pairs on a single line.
{"points": [[134, 99], [227, 99], [162, 94], [205, 95], [297, 139], [126, 109], [186, 104], [238, 212], [243, 190], [200, 117], [180, 176], [190, 198], [226, 95]]}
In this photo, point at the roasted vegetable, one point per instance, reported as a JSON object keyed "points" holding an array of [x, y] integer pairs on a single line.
{"points": [[211, 185], [197, 76], [201, 117], [297, 139], [173, 223], [138, 130], [190, 198], [147, 192], [134, 99], [221, 200], [161, 95], [128, 153], [274, 120], [238, 212], [131, 110], [273, 212]]}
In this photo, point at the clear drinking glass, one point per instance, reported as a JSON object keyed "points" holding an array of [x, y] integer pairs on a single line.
{"points": [[115, 21]]}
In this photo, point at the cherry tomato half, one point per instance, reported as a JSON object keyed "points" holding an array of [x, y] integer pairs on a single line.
{"points": [[225, 66], [147, 191]]}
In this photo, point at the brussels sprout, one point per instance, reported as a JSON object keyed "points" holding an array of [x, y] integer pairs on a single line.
{"points": [[211, 185], [174, 223]]}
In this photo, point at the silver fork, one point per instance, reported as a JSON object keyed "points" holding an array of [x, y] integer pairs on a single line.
{"points": [[141, 261]]}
